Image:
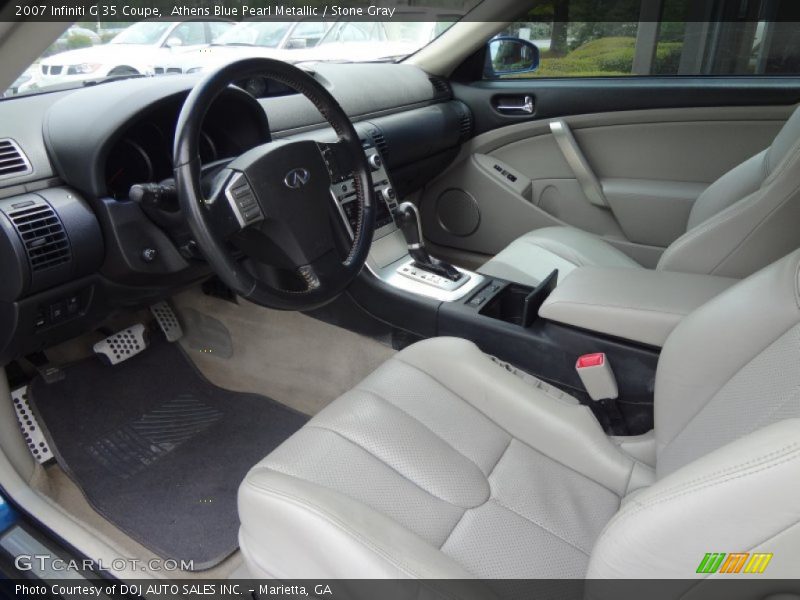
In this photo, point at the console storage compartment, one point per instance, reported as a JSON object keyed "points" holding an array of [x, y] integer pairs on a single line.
{"points": [[518, 304], [640, 305]]}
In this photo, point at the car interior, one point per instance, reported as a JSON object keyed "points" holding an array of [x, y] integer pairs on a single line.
{"points": [[401, 319]]}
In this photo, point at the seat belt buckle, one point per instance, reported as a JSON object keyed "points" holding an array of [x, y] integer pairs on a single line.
{"points": [[597, 377]]}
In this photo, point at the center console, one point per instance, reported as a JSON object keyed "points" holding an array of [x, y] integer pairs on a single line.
{"points": [[541, 331], [398, 256], [344, 192], [640, 305]]}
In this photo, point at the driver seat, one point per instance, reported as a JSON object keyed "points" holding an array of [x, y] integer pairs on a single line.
{"points": [[443, 464]]}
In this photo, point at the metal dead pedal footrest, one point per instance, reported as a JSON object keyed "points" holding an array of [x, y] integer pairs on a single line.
{"points": [[122, 345], [31, 431], [167, 320]]}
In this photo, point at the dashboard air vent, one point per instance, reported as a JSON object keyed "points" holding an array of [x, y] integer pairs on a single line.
{"points": [[441, 88], [13, 161], [380, 142], [466, 121], [43, 235], [466, 125]]}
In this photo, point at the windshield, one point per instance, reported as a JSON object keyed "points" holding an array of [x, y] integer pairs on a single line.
{"points": [[167, 47], [361, 31], [255, 34], [144, 33]]}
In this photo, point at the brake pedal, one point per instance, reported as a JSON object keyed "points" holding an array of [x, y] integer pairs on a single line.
{"points": [[167, 320], [31, 430], [122, 345]]}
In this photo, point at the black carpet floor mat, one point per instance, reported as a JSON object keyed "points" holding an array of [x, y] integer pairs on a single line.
{"points": [[158, 450]]}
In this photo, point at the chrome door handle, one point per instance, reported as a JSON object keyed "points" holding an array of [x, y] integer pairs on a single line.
{"points": [[525, 107]]}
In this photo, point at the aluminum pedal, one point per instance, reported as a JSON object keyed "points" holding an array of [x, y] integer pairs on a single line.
{"points": [[122, 345], [167, 320], [30, 427]]}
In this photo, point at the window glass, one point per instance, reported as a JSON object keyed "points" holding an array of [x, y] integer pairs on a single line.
{"points": [[143, 33], [218, 28], [310, 29], [576, 39], [256, 33], [190, 34]]}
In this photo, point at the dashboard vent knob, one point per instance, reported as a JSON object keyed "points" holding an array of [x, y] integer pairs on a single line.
{"points": [[13, 162], [43, 236]]}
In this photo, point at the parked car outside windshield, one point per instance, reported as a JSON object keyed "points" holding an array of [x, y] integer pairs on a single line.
{"points": [[133, 51], [267, 39]]}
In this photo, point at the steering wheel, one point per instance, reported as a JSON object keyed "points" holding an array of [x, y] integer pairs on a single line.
{"points": [[273, 203]]}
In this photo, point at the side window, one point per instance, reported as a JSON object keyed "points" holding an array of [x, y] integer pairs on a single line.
{"points": [[311, 31], [358, 32], [190, 34], [218, 28], [577, 39]]}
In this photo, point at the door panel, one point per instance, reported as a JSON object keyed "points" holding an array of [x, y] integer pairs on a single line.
{"points": [[650, 165], [553, 98]]}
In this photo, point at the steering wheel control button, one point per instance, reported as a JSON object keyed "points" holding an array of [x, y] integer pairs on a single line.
{"points": [[243, 201]]}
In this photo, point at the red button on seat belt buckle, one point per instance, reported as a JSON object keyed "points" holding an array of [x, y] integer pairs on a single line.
{"points": [[597, 376], [591, 360]]}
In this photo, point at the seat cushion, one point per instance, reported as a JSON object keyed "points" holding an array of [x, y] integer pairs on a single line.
{"points": [[532, 257], [440, 464]]}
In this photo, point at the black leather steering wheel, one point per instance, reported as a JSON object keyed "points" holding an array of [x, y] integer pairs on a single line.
{"points": [[273, 203]]}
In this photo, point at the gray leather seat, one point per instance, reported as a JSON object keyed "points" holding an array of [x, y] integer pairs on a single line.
{"points": [[741, 223], [443, 464]]}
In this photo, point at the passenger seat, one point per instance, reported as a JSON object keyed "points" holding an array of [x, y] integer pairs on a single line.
{"points": [[744, 221]]}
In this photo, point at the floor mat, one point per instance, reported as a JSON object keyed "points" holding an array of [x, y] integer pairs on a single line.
{"points": [[158, 450]]}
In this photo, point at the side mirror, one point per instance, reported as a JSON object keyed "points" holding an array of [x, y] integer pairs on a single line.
{"points": [[174, 42], [510, 56], [296, 44]]}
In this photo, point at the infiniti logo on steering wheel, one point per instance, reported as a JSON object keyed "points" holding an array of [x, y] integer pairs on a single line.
{"points": [[297, 178]]}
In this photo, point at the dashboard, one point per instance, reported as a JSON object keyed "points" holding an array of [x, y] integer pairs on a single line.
{"points": [[86, 148]]}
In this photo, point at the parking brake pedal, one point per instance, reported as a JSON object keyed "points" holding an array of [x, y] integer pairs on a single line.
{"points": [[122, 345], [167, 320], [31, 430]]}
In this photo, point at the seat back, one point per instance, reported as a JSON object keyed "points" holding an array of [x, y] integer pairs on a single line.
{"points": [[727, 402], [747, 218]]}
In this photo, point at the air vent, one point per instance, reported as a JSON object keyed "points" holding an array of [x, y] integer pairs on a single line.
{"points": [[441, 88], [466, 122], [43, 235], [380, 142], [12, 161], [466, 125]]}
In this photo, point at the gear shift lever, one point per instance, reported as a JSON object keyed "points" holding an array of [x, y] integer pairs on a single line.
{"points": [[407, 218]]}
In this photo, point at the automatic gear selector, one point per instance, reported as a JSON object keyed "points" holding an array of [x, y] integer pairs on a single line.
{"points": [[406, 217]]}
